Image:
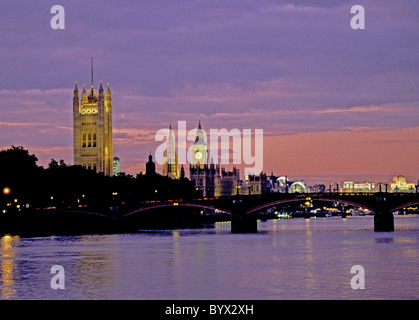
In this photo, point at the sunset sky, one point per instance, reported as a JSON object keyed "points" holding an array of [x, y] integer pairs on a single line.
{"points": [[334, 103]]}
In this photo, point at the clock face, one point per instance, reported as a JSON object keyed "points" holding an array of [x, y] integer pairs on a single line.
{"points": [[198, 155]]}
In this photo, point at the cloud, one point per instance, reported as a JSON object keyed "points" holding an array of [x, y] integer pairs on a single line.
{"points": [[358, 109], [349, 154]]}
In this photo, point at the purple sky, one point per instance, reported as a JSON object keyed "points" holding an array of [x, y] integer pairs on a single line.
{"points": [[295, 69]]}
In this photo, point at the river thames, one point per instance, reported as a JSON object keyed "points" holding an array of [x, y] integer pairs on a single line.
{"points": [[287, 259]]}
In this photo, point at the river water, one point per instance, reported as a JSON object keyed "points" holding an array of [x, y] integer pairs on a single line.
{"points": [[287, 259]]}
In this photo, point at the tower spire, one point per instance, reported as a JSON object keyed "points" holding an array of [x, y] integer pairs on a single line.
{"points": [[91, 65]]}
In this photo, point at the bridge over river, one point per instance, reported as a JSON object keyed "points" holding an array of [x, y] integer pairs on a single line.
{"points": [[244, 209]]}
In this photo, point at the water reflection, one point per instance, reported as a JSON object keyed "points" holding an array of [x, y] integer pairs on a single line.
{"points": [[8, 266], [176, 249], [286, 259], [95, 263], [384, 240]]}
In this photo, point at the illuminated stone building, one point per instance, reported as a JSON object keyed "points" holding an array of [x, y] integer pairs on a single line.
{"points": [[204, 178], [170, 162], [254, 184], [358, 187], [116, 166], [202, 174], [199, 148], [400, 184], [92, 129], [213, 180]]}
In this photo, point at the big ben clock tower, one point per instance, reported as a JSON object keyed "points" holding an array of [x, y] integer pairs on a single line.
{"points": [[199, 149], [201, 173]]}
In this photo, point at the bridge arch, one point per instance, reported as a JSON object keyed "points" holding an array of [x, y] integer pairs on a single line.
{"points": [[71, 212], [173, 205], [414, 203], [277, 202], [67, 222]]}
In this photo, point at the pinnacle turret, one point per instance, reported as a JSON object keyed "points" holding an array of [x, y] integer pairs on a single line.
{"points": [[100, 91], [108, 93]]}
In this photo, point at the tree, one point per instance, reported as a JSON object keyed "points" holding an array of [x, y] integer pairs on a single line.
{"points": [[53, 164], [20, 172]]}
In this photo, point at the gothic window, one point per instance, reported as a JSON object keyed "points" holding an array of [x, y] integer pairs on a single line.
{"points": [[94, 139], [89, 140], [84, 140]]}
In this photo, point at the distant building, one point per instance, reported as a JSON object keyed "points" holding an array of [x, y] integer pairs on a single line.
{"points": [[170, 161], [318, 188], [200, 172], [275, 184], [92, 129], [254, 184], [182, 172], [358, 187], [116, 166], [200, 148], [150, 167], [298, 187], [227, 183], [400, 184], [214, 181], [281, 184], [204, 178]]}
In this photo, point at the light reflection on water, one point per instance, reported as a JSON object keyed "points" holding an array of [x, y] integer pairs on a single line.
{"points": [[8, 244], [286, 259]]}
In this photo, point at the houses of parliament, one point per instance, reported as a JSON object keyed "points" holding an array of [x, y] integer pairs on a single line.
{"points": [[209, 178], [93, 147]]}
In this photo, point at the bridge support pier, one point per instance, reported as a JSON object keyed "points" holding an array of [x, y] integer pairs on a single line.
{"points": [[243, 224], [383, 222], [383, 218]]}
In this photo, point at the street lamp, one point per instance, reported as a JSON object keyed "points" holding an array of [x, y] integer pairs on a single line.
{"points": [[6, 190]]}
